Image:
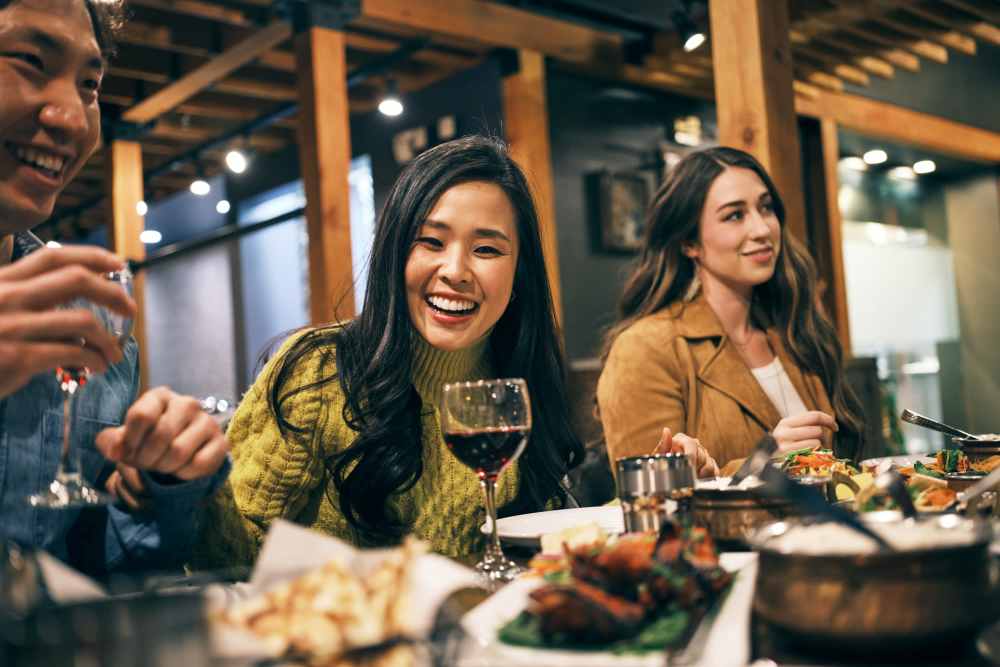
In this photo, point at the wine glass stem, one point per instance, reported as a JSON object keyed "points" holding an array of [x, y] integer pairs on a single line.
{"points": [[489, 490], [66, 461]]}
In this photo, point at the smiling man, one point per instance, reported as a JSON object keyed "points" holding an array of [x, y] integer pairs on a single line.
{"points": [[160, 454]]}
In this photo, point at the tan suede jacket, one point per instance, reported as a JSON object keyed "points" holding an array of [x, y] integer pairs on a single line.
{"points": [[677, 368]]}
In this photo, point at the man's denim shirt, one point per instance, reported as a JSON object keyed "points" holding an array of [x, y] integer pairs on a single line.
{"points": [[30, 444]]}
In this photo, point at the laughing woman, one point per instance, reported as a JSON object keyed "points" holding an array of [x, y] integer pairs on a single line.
{"points": [[721, 339], [341, 433]]}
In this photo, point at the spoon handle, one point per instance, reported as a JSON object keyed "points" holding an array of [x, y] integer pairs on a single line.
{"points": [[927, 422]]}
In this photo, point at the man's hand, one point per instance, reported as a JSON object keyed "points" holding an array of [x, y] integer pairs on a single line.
{"points": [[166, 433], [126, 484], [35, 336], [806, 430], [704, 464]]}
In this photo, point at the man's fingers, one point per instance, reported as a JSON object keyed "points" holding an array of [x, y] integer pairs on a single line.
{"points": [[65, 284], [66, 326], [96, 259], [111, 443], [40, 357], [142, 418], [185, 446], [160, 439], [208, 459]]}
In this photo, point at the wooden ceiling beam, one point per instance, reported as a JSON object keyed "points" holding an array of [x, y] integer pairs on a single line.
{"points": [[950, 39], [232, 86], [867, 57], [923, 48], [988, 15], [949, 21], [197, 9], [888, 121], [826, 60], [498, 25], [209, 74]]}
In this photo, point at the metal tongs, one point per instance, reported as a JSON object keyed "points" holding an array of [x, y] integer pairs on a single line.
{"points": [[756, 461], [810, 499], [919, 420]]}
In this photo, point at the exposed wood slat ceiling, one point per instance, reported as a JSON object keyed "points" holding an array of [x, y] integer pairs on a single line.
{"points": [[833, 42]]}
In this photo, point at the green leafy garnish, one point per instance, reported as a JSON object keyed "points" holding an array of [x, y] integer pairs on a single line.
{"points": [[921, 469]]}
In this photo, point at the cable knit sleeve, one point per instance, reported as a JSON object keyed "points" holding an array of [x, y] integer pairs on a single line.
{"points": [[640, 390], [274, 471]]}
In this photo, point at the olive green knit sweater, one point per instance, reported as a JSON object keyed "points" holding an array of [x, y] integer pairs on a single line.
{"points": [[279, 475]]}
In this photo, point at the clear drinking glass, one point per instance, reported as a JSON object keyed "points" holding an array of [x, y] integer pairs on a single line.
{"points": [[486, 426], [69, 489]]}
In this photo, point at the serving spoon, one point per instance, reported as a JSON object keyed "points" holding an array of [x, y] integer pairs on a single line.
{"points": [[920, 420]]}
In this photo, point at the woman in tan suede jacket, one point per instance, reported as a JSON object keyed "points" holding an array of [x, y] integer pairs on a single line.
{"points": [[720, 338]]}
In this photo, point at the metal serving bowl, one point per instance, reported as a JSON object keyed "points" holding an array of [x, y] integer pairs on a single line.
{"points": [[882, 601], [733, 515], [978, 450]]}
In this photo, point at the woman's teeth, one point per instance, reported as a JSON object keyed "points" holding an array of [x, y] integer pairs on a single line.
{"points": [[51, 164], [452, 306]]}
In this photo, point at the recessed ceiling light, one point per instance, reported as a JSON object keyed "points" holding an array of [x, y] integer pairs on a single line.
{"points": [[200, 187], [141, 207], [854, 162], [924, 166], [875, 156], [236, 161], [222, 207], [150, 236]]}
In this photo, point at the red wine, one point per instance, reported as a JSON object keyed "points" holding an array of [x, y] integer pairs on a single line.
{"points": [[72, 378], [488, 451]]}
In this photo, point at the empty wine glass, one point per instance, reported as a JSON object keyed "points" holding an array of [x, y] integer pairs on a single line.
{"points": [[486, 426], [69, 489]]}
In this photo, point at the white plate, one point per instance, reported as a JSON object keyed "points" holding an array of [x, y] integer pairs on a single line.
{"points": [[883, 463], [526, 530], [721, 640]]}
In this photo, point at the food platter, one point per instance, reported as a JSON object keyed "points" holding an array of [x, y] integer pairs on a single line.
{"points": [[722, 638], [526, 530]]}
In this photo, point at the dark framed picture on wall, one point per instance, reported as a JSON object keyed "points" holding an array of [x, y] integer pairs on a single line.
{"points": [[621, 201]]}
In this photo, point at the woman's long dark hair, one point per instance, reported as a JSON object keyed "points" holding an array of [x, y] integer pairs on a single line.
{"points": [[373, 351], [789, 300]]}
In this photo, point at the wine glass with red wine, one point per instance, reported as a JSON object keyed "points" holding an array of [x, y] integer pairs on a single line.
{"points": [[486, 426], [69, 489]]}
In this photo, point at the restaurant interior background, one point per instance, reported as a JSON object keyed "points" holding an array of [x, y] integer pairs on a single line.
{"points": [[919, 251]]}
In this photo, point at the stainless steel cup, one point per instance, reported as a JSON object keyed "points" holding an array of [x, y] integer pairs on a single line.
{"points": [[646, 483]]}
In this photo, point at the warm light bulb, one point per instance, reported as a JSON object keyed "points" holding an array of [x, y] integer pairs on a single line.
{"points": [[924, 166], [390, 106], [200, 187], [875, 156], [694, 41], [236, 161], [150, 236], [222, 207], [854, 162], [141, 207]]}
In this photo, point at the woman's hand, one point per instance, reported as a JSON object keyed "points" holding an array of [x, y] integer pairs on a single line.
{"points": [[704, 464], [805, 430]]}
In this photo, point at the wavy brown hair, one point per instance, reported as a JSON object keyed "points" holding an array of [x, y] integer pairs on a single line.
{"points": [[788, 301]]}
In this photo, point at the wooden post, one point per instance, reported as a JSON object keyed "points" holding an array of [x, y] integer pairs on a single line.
{"points": [[837, 281], [526, 124], [821, 153], [325, 159], [752, 62], [124, 165]]}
